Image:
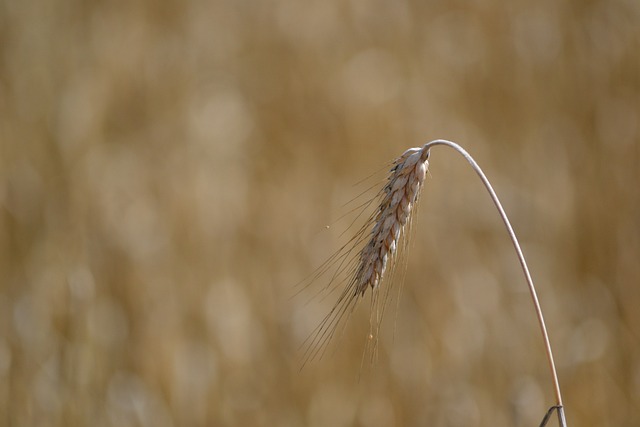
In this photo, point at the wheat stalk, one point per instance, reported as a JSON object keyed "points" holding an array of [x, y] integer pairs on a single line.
{"points": [[398, 200], [525, 269]]}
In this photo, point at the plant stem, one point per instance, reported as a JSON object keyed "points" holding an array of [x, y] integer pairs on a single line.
{"points": [[523, 264]]}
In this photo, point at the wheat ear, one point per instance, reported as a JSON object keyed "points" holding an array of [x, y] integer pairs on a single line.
{"points": [[366, 267], [398, 198]]}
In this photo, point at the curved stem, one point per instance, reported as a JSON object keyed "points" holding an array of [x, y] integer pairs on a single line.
{"points": [[523, 264]]}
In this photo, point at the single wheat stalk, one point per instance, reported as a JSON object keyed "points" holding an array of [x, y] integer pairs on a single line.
{"points": [[525, 269], [398, 200]]}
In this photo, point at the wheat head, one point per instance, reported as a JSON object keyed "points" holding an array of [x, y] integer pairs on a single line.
{"points": [[398, 199], [380, 237]]}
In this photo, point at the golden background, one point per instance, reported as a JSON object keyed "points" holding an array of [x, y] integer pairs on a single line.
{"points": [[167, 170]]}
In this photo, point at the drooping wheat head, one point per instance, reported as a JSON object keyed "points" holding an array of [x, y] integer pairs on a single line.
{"points": [[399, 197], [381, 235]]}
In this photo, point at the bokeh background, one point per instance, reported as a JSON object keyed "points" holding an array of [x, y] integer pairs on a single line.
{"points": [[167, 170]]}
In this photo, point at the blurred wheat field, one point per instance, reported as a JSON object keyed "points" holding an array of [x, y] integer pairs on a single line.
{"points": [[167, 170]]}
